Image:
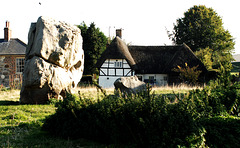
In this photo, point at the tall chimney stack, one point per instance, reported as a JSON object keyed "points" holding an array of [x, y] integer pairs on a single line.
{"points": [[7, 32], [119, 33]]}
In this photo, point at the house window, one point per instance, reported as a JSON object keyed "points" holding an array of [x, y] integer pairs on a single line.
{"points": [[165, 78], [151, 77], [151, 80], [118, 64], [19, 65]]}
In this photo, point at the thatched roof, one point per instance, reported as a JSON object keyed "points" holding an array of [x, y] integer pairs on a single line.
{"points": [[162, 59], [151, 59], [117, 50]]}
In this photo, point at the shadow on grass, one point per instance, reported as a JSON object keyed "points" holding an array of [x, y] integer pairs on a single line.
{"points": [[30, 135], [9, 103]]}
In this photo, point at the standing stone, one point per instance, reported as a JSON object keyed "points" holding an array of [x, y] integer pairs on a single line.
{"points": [[54, 61], [129, 85]]}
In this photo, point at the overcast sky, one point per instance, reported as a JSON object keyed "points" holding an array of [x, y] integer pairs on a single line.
{"points": [[144, 22]]}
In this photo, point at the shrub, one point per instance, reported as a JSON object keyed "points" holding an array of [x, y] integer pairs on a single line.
{"points": [[187, 74], [222, 131], [219, 97], [142, 119]]}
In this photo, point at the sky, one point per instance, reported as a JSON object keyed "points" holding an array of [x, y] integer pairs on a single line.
{"points": [[144, 22]]}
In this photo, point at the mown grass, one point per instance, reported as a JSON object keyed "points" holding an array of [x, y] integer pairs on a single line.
{"points": [[20, 125]]}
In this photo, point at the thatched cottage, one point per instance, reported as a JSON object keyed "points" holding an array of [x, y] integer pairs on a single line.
{"points": [[12, 54], [151, 64]]}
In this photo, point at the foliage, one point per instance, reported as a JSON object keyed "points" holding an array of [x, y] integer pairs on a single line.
{"points": [[205, 55], [3, 88], [15, 81], [94, 43], [187, 74], [140, 120], [220, 97], [202, 28], [222, 131]]}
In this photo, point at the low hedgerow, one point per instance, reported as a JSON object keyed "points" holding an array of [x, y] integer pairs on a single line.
{"points": [[143, 119], [222, 131]]}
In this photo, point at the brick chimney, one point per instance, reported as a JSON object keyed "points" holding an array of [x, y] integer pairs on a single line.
{"points": [[119, 33], [7, 32]]}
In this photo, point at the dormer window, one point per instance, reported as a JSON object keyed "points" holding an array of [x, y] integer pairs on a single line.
{"points": [[118, 64]]}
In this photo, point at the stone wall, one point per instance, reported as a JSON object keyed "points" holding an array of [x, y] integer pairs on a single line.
{"points": [[8, 76]]}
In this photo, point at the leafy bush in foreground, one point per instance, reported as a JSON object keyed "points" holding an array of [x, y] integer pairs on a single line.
{"points": [[143, 119], [222, 131], [218, 98]]}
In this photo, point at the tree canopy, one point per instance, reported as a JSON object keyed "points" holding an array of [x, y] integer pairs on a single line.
{"points": [[202, 30], [94, 43]]}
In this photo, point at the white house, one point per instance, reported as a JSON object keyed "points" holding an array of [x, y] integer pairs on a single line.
{"points": [[152, 64]]}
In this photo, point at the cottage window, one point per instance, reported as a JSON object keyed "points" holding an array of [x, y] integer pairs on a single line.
{"points": [[151, 77], [19, 65], [151, 80], [118, 64], [165, 78]]}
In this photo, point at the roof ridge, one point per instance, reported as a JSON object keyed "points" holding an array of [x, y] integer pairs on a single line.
{"points": [[119, 50]]}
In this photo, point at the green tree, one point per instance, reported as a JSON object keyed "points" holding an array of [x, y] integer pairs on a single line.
{"points": [[205, 55], [202, 28], [94, 43]]}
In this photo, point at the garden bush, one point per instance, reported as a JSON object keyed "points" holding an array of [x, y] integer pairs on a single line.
{"points": [[202, 118], [222, 131], [219, 97], [143, 119]]}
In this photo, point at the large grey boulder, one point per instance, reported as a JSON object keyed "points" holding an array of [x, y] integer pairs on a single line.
{"points": [[129, 85], [54, 61]]}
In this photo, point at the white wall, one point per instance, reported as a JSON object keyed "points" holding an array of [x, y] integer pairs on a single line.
{"points": [[160, 79], [107, 81]]}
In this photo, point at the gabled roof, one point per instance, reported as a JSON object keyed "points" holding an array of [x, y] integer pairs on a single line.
{"points": [[162, 59], [12, 47], [117, 50], [151, 59]]}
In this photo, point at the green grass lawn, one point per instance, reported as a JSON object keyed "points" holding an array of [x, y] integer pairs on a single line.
{"points": [[20, 125]]}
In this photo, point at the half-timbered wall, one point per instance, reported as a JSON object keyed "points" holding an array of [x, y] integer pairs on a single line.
{"points": [[113, 69]]}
